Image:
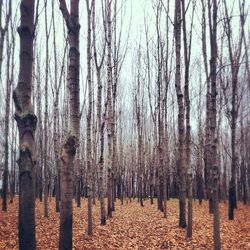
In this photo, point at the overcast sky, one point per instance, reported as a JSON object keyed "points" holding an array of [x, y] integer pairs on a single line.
{"points": [[134, 15]]}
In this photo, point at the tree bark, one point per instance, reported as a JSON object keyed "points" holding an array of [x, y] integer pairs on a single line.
{"points": [[26, 123], [181, 128], [72, 139], [45, 152], [89, 122], [109, 109], [212, 10], [187, 54], [6, 130], [100, 119]]}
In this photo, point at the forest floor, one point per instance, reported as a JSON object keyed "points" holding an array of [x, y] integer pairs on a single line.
{"points": [[133, 227]]}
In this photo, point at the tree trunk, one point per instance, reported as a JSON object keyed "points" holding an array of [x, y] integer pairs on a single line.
{"points": [[207, 150], [187, 54], [26, 123], [45, 153], [109, 110], [212, 10], [100, 120], [181, 128], [3, 30], [89, 122], [6, 130], [72, 140]]}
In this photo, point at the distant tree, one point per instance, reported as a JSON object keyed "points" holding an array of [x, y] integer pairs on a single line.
{"points": [[45, 152], [3, 29], [232, 114], [7, 104], [89, 117]]}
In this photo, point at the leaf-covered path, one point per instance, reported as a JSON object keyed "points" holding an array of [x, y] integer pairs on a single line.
{"points": [[134, 227]]}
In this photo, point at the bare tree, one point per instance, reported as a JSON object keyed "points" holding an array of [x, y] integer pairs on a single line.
{"points": [[89, 118], [3, 29], [187, 54], [207, 149], [7, 111], [71, 143], [46, 114], [181, 128], [26, 123], [212, 14], [234, 57], [57, 87], [100, 120], [109, 105]]}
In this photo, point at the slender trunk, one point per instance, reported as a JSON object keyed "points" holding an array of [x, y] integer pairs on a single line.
{"points": [[89, 122], [100, 120], [26, 123], [101, 182], [6, 129], [56, 116], [187, 53], [40, 139], [214, 165], [181, 128], [207, 150], [46, 117], [72, 140], [232, 184], [3, 30], [109, 110]]}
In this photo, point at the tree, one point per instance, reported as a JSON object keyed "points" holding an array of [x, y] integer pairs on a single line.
{"points": [[89, 119], [181, 129], [234, 58], [71, 143], [187, 55], [212, 15], [109, 106], [100, 119], [39, 177], [138, 114], [7, 111], [199, 175], [57, 86], [207, 148], [26, 123], [3, 30], [46, 115]]}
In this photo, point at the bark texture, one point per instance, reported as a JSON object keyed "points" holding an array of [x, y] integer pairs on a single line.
{"points": [[72, 139], [181, 129], [26, 123], [212, 9]]}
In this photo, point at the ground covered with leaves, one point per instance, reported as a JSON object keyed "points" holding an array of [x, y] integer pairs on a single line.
{"points": [[133, 227]]}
